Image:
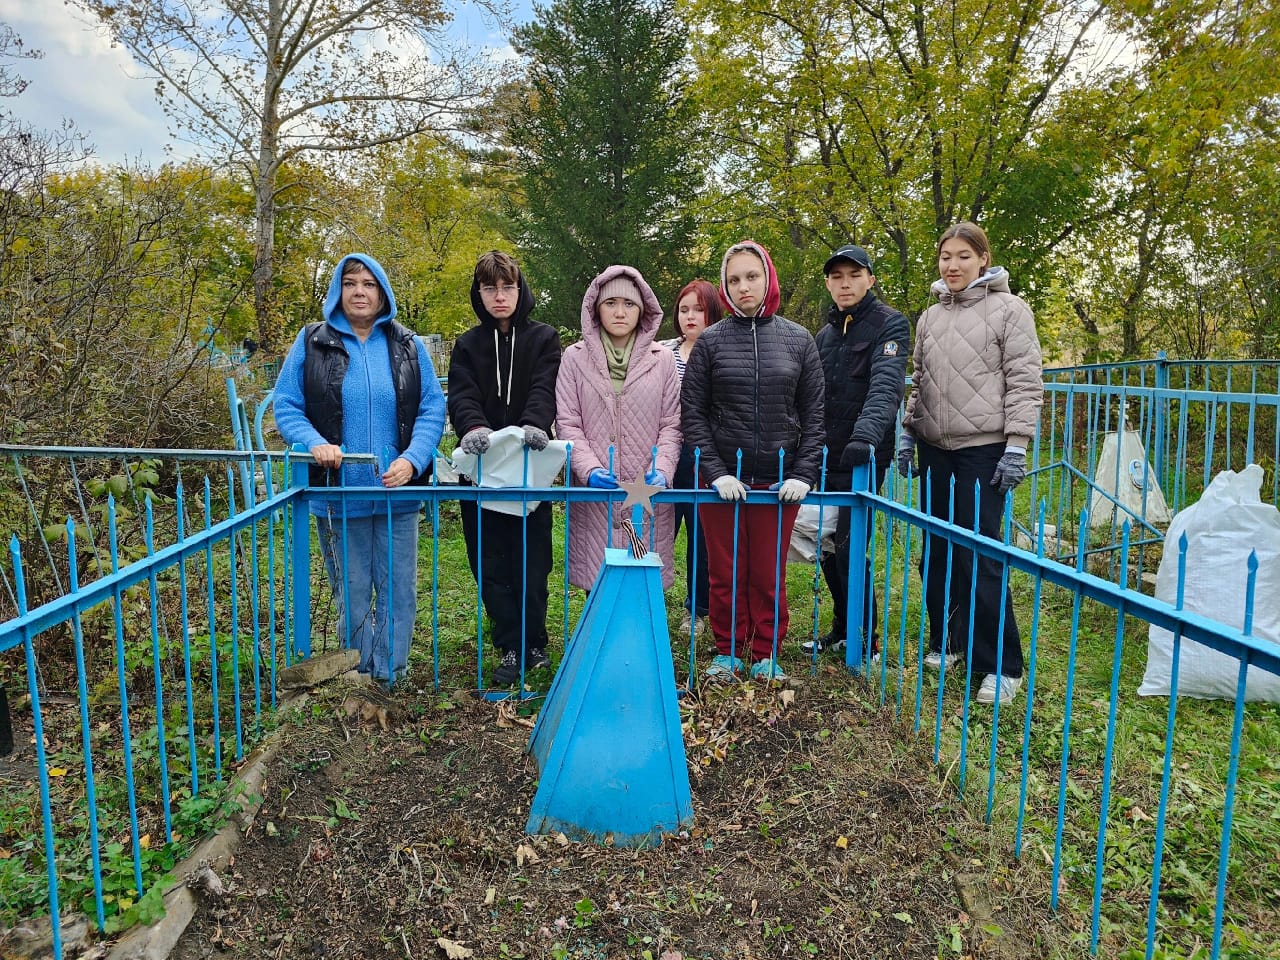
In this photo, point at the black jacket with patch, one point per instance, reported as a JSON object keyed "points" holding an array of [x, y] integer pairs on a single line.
{"points": [[864, 362]]}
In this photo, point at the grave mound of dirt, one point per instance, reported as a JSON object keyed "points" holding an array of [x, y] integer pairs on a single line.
{"points": [[820, 830]]}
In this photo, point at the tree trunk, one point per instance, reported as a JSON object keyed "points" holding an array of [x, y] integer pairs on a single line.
{"points": [[1091, 351], [264, 208], [264, 252], [1129, 336]]}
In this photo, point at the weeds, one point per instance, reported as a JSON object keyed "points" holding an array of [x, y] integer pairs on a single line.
{"points": [[444, 659]]}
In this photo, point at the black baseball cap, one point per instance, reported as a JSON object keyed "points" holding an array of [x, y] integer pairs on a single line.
{"points": [[852, 253]]}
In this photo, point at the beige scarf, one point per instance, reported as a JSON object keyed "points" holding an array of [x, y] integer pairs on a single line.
{"points": [[617, 359]]}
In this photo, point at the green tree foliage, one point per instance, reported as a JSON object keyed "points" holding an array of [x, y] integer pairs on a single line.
{"points": [[271, 82], [1111, 149], [606, 147], [884, 123], [311, 232], [109, 279], [1185, 261], [112, 279], [1246, 231], [428, 212]]}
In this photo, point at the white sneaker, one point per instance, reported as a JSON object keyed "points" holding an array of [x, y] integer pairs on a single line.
{"points": [[1009, 687], [833, 641], [933, 660]]}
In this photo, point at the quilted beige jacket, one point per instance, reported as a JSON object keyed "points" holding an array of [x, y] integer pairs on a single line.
{"points": [[977, 373]]}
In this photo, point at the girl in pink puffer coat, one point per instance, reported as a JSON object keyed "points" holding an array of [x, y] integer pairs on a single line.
{"points": [[618, 388]]}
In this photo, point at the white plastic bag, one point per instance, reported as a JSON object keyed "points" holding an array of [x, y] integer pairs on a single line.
{"points": [[1227, 522], [1132, 482], [804, 536]]}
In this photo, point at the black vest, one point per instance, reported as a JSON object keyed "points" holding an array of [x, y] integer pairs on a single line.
{"points": [[325, 366]]}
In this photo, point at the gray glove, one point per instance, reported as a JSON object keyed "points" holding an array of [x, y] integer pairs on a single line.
{"points": [[535, 438], [476, 441], [1011, 470], [907, 455], [730, 488]]}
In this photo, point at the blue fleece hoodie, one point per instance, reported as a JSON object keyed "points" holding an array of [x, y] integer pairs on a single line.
{"points": [[368, 398]]}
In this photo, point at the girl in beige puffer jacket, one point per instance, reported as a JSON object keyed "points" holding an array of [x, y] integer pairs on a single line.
{"points": [[977, 389]]}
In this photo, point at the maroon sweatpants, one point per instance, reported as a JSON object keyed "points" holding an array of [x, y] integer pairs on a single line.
{"points": [[746, 628]]}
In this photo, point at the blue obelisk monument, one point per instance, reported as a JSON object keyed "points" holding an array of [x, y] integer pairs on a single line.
{"points": [[608, 743]]}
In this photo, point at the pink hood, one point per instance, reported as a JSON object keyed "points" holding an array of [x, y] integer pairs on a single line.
{"points": [[772, 292], [650, 314]]}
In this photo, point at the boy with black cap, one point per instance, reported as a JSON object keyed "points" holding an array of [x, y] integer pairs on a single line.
{"points": [[502, 373], [864, 347]]}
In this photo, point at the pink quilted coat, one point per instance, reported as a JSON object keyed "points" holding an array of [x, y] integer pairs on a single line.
{"points": [[591, 415]]}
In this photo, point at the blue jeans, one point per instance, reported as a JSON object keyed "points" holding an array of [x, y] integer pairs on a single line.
{"points": [[358, 575]]}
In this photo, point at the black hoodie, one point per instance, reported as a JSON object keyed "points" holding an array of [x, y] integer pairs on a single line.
{"points": [[499, 380]]}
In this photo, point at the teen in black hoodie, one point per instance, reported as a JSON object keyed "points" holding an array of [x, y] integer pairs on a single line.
{"points": [[502, 373]]}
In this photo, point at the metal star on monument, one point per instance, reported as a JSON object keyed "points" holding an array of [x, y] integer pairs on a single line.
{"points": [[639, 494]]}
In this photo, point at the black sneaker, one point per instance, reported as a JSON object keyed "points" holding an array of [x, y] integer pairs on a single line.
{"points": [[832, 641], [537, 658], [508, 670]]}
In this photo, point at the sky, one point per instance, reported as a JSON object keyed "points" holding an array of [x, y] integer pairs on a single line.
{"points": [[109, 98]]}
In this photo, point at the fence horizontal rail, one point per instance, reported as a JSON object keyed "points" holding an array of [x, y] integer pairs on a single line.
{"points": [[165, 453], [81, 599], [279, 601], [1192, 626]]}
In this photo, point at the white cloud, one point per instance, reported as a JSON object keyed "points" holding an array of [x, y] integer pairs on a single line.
{"points": [[111, 100], [84, 79]]}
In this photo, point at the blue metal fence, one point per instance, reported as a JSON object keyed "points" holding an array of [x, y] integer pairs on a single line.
{"points": [[1194, 418], [1186, 421], [191, 634], [196, 630], [1093, 623]]}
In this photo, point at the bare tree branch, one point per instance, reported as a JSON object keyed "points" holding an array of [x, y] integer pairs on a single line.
{"points": [[267, 81]]}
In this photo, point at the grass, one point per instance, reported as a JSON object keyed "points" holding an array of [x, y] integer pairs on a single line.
{"points": [[446, 643], [1197, 795]]}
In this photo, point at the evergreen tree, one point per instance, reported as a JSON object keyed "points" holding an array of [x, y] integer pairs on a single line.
{"points": [[605, 145]]}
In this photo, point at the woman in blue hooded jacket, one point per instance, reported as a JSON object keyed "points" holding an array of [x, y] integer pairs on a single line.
{"points": [[360, 382]]}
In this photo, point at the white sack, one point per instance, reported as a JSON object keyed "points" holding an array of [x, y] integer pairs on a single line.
{"points": [[1132, 481], [1227, 522], [804, 536]]}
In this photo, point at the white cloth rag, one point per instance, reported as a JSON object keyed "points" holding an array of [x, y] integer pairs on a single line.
{"points": [[503, 465]]}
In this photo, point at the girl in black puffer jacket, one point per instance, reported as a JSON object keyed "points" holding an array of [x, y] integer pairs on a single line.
{"points": [[753, 385]]}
